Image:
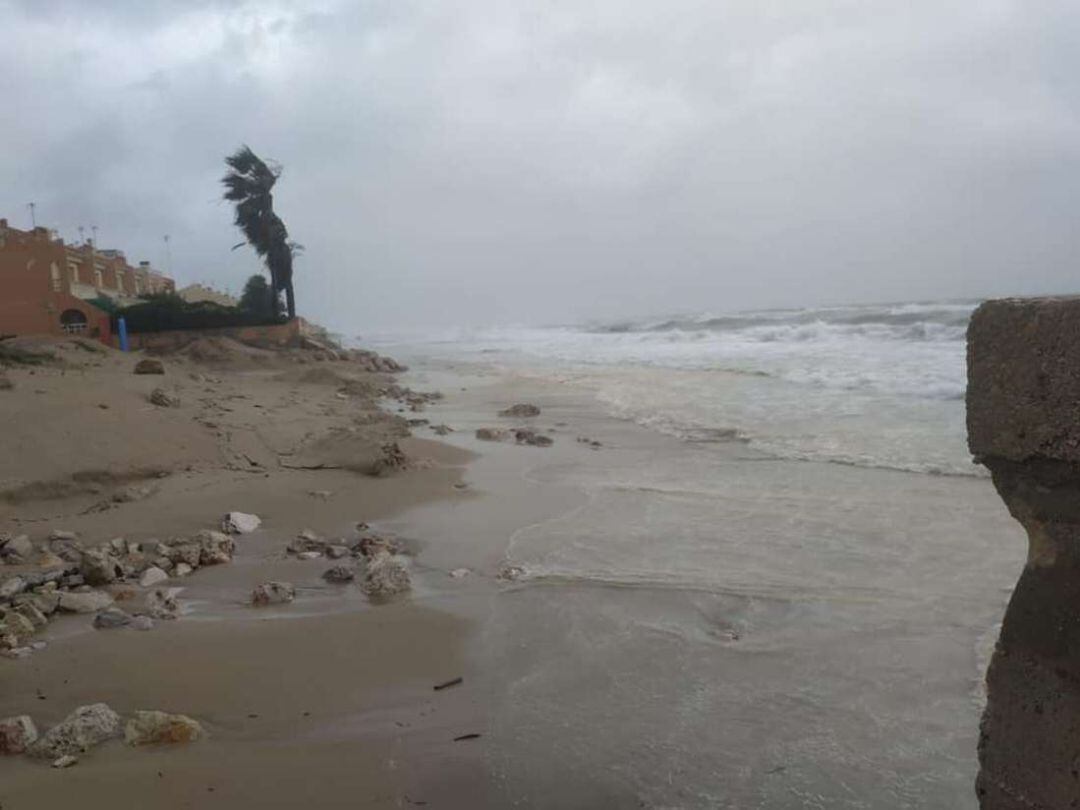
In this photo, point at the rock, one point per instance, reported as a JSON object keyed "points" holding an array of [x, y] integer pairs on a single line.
{"points": [[162, 400], [442, 430], [45, 601], [531, 437], [339, 574], [141, 623], [308, 555], [391, 458], [66, 546], [12, 586], [185, 552], [511, 572], [30, 612], [521, 411], [182, 569], [306, 541], [273, 593], [335, 552], [488, 434], [162, 603], [149, 366], [152, 576], [111, 618], [321, 494], [49, 560], [373, 545], [240, 523], [87, 602], [215, 548], [17, 734], [61, 535], [65, 761], [152, 727], [80, 731], [19, 546], [17, 625], [386, 576], [99, 567], [460, 573]]}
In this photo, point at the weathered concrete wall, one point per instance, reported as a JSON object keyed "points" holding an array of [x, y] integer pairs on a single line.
{"points": [[1023, 405]]}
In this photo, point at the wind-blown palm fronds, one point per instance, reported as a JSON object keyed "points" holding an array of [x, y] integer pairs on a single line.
{"points": [[248, 184]]}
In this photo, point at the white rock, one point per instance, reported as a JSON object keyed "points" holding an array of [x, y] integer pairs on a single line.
{"points": [[65, 761], [21, 546], [87, 602], [81, 730], [142, 623], [308, 555], [240, 523], [182, 569], [460, 573], [152, 576]]}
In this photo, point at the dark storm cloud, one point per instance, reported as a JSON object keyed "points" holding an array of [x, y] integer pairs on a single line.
{"points": [[479, 161]]}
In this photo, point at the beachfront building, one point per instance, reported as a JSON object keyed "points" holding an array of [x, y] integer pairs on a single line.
{"points": [[47, 286], [198, 293]]}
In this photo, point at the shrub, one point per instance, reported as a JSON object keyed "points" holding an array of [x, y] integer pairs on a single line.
{"points": [[166, 311]]}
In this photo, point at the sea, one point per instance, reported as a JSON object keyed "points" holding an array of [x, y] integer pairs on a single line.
{"points": [[776, 584]]}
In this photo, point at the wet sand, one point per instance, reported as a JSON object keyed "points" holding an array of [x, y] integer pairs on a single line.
{"points": [[326, 701]]}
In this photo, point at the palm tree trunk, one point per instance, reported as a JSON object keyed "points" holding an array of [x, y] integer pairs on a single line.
{"points": [[290, 302], [274, 304]]}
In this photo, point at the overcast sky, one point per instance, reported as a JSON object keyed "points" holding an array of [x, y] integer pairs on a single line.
{"points": [[490, 161]]}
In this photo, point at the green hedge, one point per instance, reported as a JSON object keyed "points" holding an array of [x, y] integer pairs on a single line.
{"points": [[167, 311]]}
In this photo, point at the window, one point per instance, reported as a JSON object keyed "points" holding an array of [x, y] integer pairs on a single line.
{"points": [[72, 321], [54, 271], [98, 282], [73, 271]]}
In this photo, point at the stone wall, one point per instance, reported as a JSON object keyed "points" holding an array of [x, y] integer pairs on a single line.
{"points": [[1023, 405]]}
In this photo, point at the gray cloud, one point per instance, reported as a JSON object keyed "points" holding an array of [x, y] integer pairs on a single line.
{"points": [[482, 161]]}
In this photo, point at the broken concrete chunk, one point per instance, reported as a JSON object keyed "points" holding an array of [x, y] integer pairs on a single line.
{"points": [[240, 523], [80, 731], [154, 727]]}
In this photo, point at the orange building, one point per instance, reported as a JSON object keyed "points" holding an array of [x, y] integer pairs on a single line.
{"points": [[46, 286]]}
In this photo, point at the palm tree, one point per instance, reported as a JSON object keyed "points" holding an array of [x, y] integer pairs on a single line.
{"points": [[248, 183]]}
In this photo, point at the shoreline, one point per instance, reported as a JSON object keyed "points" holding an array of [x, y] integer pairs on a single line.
{"points": [[574, 639]]}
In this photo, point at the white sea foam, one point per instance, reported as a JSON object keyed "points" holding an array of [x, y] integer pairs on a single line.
{"points": [[876, 386]]}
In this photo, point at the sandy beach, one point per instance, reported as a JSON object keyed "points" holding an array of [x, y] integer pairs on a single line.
{"points": [[638, 621], [327, 700]]}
